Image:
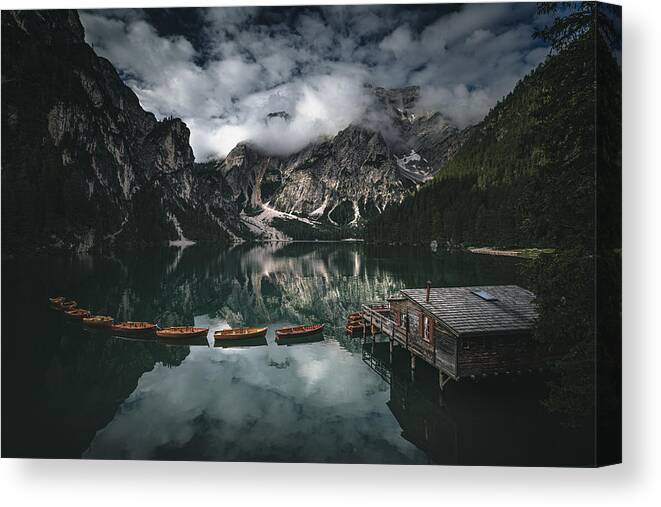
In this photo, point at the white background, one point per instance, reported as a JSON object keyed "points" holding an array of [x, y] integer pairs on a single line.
{"points": [[636, 482]]}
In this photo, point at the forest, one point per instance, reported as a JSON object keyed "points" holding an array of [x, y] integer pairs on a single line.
{"points": [[543, 169], [525, 177]]}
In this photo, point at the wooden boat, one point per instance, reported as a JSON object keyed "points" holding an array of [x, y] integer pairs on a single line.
{"points": [[133, 328], [298, 331], [56, 301], [356, 329], [77, 313], [99, 321], [182, 332], [67, 305], [240, 333], [359, 329], [300, 334]]}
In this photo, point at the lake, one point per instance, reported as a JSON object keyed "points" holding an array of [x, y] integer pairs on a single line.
{"points": [[69, 392]]}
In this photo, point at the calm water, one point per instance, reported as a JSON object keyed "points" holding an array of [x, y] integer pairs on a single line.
{"points": [[67, 392]]}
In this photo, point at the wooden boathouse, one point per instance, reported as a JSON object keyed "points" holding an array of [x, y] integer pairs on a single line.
{"points": [[462, 331]]}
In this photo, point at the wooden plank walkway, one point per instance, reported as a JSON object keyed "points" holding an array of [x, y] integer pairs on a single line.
{"points": [[386, 326]]}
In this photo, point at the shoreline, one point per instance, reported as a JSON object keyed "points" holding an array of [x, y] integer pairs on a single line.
{"points": [[525, 253]]}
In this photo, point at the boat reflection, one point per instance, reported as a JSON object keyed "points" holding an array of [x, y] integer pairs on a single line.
{"points": [[299, 340], [240, 342], [137, 337], [194, 341]]}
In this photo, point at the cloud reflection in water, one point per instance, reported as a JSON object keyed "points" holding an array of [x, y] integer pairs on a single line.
{"points": [[314, 402]]}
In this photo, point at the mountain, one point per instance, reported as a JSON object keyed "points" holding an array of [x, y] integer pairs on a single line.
{"points": [[331, 187], [83, 165], [525, 175]]}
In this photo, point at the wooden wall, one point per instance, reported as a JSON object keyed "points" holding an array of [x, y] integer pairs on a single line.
{"points": [[467, 356], [480, 355], [445, 356]]}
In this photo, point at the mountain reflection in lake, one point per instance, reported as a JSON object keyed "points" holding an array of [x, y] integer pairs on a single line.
{"points": [[72, 393]]}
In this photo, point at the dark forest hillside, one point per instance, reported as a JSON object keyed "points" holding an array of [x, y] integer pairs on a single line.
{"points": [[526, 174]]}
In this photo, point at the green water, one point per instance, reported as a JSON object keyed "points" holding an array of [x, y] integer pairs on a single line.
{"points": [[67, 392]]}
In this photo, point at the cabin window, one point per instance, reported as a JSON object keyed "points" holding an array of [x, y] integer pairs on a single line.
{"points": [[427, 326]]}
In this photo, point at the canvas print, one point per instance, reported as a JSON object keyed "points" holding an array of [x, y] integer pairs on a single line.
{"points": [[384, 234]]}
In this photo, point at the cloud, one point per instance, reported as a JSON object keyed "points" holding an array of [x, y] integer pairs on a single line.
{"points": [[235, 65], [259, 404]]}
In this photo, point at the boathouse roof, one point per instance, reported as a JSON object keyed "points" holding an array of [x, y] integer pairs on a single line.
{"points": [[496, 309]]}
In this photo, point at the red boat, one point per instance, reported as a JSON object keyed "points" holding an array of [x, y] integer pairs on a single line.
{"points": [[78, 313], [67, 305], [298, 331], [132, 328], [240, 333], [182, 332]]}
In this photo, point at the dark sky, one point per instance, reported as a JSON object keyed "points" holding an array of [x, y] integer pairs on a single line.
{"points": [[224, 69]]}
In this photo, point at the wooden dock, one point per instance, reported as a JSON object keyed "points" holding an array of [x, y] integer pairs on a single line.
{"points": [[463, 332], [398, 335]]}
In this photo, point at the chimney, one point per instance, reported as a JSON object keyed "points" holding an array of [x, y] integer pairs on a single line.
{"points": [[428, 291]]}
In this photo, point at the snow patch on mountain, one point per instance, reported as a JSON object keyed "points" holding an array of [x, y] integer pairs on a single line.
{"points": [[356, 214], [321, 209], [261, 224], [414, 167], [182, 240]]}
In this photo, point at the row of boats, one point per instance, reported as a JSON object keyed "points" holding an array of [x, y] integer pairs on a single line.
{"points": [[72, 311], [356, 324]]}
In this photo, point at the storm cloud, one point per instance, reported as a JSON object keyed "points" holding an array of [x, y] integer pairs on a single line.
{"points": [[223, 70]]}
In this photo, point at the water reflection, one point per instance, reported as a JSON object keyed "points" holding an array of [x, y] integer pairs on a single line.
{"points": [[267, 403], [497, 421], [68, 392]]}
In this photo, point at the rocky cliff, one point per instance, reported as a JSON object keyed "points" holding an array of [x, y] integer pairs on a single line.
{"points": [[83, 165], [334, 185]]}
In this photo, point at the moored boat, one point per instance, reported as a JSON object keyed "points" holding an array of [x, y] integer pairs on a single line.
{"points": [[77, 313], [355, 329], [358, 329], [298, 331], [182, 332], [99, 321], [57, 300], [67, 305], [133, 328], [239, 333]]}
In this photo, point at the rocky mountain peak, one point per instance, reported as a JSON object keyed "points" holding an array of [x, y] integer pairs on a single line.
{"points": [[88, 166], [278, 115], [167, 147], [398, 98], [49, 27]]}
